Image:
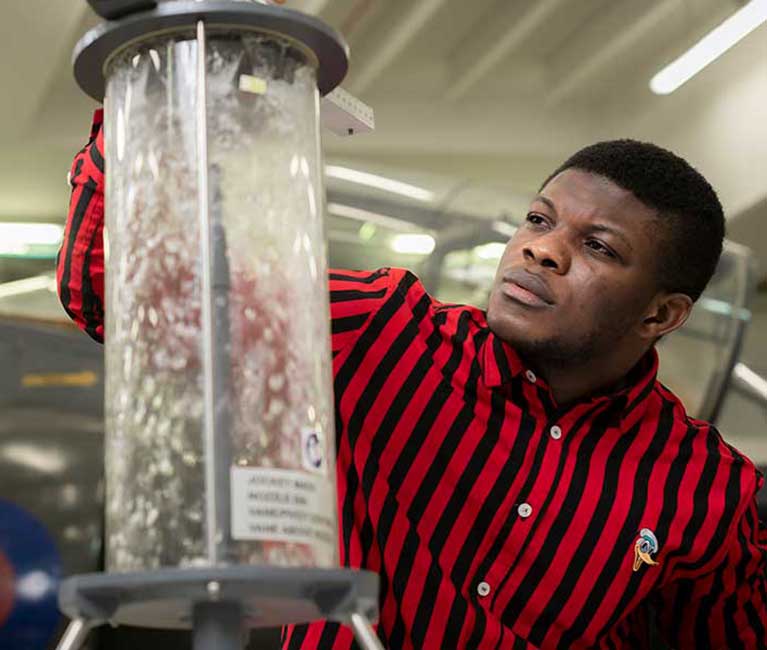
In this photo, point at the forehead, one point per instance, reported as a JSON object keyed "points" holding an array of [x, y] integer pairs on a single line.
{"points": [[578, 194]]}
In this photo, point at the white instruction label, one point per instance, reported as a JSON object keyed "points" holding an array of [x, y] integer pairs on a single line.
{"points": [[283, 505]]}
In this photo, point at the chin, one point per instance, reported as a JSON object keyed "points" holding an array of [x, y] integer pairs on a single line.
{"points": [[513, 326], [515, 330]]}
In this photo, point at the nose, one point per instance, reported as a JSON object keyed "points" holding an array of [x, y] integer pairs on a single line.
{"points": [[549, 251]]}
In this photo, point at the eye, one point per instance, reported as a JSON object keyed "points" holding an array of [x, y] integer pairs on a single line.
{"points": [[536, 219], [598, 247]]}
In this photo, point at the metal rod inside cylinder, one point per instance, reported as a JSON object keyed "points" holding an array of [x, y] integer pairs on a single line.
{"points": [[215, 335]]}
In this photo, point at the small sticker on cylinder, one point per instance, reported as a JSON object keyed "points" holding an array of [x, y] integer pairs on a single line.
{"points": [[251, 84], [313, 450]]}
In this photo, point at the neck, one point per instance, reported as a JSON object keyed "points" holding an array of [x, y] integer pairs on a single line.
{"points": [[572, 383]]}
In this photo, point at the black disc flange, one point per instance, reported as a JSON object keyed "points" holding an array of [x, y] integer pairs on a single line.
{"points": [[322, 43]]}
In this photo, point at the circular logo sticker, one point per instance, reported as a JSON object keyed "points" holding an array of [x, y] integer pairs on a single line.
{"points": [[313, 450]]}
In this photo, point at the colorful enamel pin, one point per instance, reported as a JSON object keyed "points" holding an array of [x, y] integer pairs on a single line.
{"points": [[644, 548]]}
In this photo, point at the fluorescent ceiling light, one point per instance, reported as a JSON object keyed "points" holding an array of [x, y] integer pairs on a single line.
{"points": [[413, 244], [505, 229], [366, 216], [379, 182], [27, 285], [20, 238], [755, 382], [41, 459], [491, 251], [710, 47]]}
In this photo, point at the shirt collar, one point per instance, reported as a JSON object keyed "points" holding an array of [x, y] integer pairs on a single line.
{"points": [[501, 364]]}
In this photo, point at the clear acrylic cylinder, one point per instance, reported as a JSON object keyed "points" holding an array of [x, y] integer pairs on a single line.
{"points": [[270, 475]]}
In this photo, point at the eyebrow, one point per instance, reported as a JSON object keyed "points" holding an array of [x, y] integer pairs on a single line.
{"points": [[597, 227], [546, 200]]}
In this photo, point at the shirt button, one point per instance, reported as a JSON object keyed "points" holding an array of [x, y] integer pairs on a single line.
{"points": [[483, 589], [525, 510], [555, 432], [530, 376]]}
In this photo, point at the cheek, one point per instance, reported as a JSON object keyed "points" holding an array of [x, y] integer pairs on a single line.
{"points": [[616, 306], [600, 297]]}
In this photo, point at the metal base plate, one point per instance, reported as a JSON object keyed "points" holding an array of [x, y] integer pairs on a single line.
{"points": [[270, 596], [326, 46]]}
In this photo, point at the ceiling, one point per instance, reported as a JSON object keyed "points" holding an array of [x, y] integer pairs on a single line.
{"points": [[477, 100]]}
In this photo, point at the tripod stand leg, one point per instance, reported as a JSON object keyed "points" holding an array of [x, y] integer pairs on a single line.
{"points": [[364, 632], [75, 634], [217, 626]]}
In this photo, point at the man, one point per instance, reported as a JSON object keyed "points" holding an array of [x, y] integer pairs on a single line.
{"points": [[520, 479]]}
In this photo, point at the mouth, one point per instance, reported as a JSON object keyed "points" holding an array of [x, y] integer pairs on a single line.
{"points": [[526, 288]]}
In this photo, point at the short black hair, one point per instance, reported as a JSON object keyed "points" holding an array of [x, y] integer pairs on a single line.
{"points": [[686, 204]]}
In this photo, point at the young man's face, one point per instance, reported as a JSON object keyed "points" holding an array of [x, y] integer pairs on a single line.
{"points": [[578, 274]]}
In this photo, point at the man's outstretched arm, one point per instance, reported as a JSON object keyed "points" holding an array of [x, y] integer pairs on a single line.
{"points": [[80, 262]]}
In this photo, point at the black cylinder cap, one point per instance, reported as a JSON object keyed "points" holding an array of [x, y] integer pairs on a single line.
{"points": [[112, 9]]}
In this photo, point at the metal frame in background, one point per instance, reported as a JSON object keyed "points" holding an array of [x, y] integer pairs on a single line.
{"points": [[719, 384]]}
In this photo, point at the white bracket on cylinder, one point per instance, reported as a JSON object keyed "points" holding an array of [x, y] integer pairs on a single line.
{"points": [[343, 114]]}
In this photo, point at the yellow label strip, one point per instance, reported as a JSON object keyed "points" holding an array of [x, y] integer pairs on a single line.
{"points": [[43, 380]]}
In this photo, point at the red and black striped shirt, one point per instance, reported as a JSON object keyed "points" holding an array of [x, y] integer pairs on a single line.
{"points": [[495, 518]]}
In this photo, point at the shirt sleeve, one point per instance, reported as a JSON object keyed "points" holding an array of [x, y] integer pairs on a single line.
{"points": [[80, 262], [355, 296], [727, 607]]}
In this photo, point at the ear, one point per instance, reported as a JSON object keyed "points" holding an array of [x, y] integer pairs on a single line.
{"points": [[666, 313]]}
